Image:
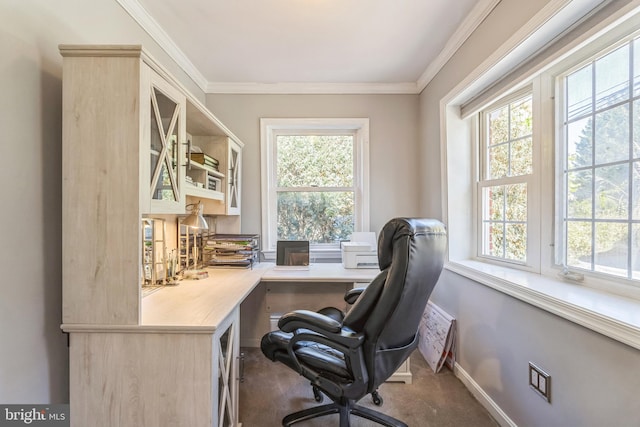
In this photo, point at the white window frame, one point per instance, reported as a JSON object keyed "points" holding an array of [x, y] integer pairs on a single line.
{"points": [[532, 262], [269, 129], [597, 49]]}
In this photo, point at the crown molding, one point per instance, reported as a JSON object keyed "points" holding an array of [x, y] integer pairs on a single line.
{"points": [[151, 26], [155, 31], [478, 14], [312, 88]]}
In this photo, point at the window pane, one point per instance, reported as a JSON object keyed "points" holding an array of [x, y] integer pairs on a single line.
{"points": [[320, 217], [612, 135], [498, 161], [494, 239], [579, 191], [314, 160], [635, 254], [636, 67], [611, 248], [494, 197], [521, 118], [579, 147], [510, 146], [579, 93], [636, 127], [522, 157], [504, 221], [499, 125], [516, 202], [636, 191], [612, 192], [516, 239], [579, 244], [612, 78]]}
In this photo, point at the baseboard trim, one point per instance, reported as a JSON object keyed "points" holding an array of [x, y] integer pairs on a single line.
{"points": [[485, 400]]}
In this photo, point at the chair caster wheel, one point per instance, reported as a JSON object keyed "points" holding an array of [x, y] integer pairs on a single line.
{"points": [[377, 399], [317, 395]]}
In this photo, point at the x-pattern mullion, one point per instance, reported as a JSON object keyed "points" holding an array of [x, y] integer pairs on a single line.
{"points": [[163, 158], [225, 364]]}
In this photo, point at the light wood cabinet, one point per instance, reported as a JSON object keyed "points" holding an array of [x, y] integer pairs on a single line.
{"points": [[125, 122], [141, 379]]}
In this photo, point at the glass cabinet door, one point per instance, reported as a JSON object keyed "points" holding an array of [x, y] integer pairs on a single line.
{"points": [[165, 118], [235, 161]]}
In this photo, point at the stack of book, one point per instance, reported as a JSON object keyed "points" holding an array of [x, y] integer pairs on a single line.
{"points": [[205, 159]]}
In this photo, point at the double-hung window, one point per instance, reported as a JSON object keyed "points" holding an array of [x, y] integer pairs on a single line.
{"points": [[505, 181], [314, 181], [590, 114], [599, 156]]}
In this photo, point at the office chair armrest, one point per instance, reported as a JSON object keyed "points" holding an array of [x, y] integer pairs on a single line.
{"points": [[327, 330], [352, 295], [310, 320]]}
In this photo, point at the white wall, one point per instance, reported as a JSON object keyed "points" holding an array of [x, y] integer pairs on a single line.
{"points": [[33, 351], [393, 130], [594, 378]]}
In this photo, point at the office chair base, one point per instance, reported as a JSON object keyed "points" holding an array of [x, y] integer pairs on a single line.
{"points": [[345, 411]]}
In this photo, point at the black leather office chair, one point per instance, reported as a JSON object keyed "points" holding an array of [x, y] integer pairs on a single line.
{"points": [[349, 356]]}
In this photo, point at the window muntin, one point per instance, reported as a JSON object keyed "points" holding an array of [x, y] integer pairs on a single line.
{"points": [[315, 188], [601, 164], [507, 165]]}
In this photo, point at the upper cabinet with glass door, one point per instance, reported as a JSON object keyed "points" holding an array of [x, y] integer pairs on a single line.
{"points": [[166, 142], [211, 138]]}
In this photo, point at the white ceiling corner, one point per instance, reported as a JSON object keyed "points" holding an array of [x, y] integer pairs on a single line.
{"points": [[149, 24], [478, 14], [408, 74]]}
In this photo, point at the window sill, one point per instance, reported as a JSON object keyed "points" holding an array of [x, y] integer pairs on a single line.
{"points": [[614, 316]]}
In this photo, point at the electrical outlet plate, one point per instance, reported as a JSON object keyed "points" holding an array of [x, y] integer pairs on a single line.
{"points": [[540, 382]]}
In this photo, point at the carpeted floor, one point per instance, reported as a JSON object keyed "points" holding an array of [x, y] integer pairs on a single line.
{"points": [[270, 391]]}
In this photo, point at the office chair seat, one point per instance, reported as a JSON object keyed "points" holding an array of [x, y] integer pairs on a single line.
{"points": [[320, 356], [347, 356]]}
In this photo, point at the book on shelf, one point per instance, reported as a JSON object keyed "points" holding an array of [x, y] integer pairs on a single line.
{"points": [[205, 159]]}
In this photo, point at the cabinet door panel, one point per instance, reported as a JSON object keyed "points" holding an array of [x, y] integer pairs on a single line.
{"points": [[235, 162], [228, 350], [167, 135]]}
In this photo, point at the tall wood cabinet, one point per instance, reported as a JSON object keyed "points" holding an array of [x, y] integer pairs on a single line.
{"points": [[125, 122]]}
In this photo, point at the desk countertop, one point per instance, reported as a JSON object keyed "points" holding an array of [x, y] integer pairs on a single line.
{"points": [[199, 306]]}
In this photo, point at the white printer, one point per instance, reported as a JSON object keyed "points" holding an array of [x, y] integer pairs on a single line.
{"points": [[361, 251]]}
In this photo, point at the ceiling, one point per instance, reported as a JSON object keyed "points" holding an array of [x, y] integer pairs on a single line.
{"points": [[310, 46]]}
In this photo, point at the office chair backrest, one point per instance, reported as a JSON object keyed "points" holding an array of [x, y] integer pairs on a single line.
{"points": [[411, 255]]}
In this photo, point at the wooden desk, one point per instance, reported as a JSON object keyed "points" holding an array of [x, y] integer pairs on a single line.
{"points": [[166, 370], [173, 358]]}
